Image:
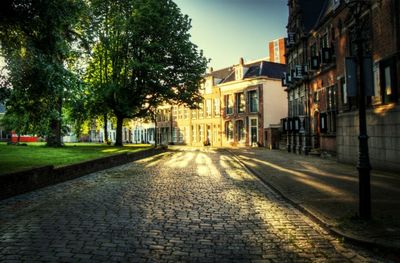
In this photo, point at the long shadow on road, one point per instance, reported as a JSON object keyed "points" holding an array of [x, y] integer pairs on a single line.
{"points": [[183, 205]]}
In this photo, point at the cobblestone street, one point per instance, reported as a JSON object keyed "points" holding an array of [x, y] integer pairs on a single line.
{"points": [[184, 205]]}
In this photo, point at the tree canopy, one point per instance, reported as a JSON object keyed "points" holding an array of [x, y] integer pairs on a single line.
{"points": [[140, 57], [143, 57], [36, 40]]}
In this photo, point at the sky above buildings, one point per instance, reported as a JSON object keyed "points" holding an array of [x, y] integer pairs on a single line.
{"points": [[229, 29]]}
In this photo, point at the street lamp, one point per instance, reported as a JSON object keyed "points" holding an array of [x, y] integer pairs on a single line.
{"points": [[357, 8]]}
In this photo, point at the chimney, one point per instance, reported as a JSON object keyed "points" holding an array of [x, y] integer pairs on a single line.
{"points": [[241, 61], [210, 69]]}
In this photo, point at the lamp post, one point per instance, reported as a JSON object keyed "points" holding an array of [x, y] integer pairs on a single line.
{"points": [[363, 165]]}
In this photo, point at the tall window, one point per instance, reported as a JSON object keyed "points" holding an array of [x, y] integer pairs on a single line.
{"points": [[253, 131], [229, 104], [229, 130], [217, 110], [174, 113], [185, 113], [302, 105], [313, 50], [180, 135], [180, 115], [332, 97], [193, 133], [240, 131], [388, 81], [201, 110], [240, 102], [216, 131], [194, 113], [174, 134], [324, 40], [201, 134], [208, 108], [296, 107], [253, 101]]}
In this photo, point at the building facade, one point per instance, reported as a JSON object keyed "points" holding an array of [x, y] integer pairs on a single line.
{"points": [[321, 46], [277, 50], [240, 104]]}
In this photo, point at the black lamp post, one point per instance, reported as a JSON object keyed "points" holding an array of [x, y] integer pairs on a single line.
{"points": [[357, 7]]}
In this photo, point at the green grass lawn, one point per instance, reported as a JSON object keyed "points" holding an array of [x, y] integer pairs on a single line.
{"points": [[15, 158]]}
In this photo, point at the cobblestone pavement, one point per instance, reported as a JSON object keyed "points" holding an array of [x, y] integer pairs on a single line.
{"points": [[185, 205]]}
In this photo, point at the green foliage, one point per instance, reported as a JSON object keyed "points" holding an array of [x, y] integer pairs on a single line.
{"points": [[140, 57], [143, 57], [36, 39]]}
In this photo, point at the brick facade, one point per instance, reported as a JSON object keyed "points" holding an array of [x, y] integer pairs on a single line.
{"points": [[332, 111], [277, 51]]}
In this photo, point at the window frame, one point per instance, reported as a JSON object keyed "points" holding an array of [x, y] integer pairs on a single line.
{"points": [[240, 102], [229, 104], [251, 99]]}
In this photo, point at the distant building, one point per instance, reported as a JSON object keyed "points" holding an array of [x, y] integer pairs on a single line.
{"points": [[143, 131], [241, 104], [277, 51]]}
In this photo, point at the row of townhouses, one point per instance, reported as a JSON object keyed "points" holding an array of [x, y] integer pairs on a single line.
{"points": [[322, 102], [242, 106]]}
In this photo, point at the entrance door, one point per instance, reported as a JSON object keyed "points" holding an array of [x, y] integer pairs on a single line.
{"points": [[253, 131]]}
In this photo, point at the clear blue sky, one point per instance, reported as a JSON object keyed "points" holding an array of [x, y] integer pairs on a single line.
{"points": [[229, 29]]}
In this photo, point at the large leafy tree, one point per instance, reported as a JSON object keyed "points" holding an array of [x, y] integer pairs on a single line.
{"points": [[36, 39], [143, 57]]}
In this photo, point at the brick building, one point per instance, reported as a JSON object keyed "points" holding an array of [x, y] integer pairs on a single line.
{"points": [[277, 50], [241, 105], [323, 32], [302, 17]]}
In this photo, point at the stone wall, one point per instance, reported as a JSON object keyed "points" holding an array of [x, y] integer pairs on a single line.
{"points": [[28, 180], [383, 128], [328, 144]]}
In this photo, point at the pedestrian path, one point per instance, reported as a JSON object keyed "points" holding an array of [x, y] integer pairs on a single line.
{"points": [[191, 205], [329, 190]]}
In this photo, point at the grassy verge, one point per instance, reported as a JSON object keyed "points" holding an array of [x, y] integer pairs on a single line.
{"points": [[15, 158]]}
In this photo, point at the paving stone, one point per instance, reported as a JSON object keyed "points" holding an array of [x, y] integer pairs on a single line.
{"points": [[191, 205]]}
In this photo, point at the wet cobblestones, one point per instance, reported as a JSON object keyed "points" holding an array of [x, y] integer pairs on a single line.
{"points": [[181, 206]]}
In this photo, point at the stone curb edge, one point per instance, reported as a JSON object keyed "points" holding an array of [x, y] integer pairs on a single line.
{"points": [[356, 240]]}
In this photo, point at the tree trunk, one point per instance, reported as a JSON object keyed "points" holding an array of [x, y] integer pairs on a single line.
{"points": [[155, 130], [105, 128], [118, 140], [54, 138]]}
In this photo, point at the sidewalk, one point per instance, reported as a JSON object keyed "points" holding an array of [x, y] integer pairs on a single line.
{"points": [[328, 190]]}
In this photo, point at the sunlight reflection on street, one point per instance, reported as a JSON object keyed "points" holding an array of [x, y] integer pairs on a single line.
{"points": [[300, 177]]}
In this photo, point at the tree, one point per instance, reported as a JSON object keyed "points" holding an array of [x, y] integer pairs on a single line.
{"points": [[36, 38], [145, 56]]}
